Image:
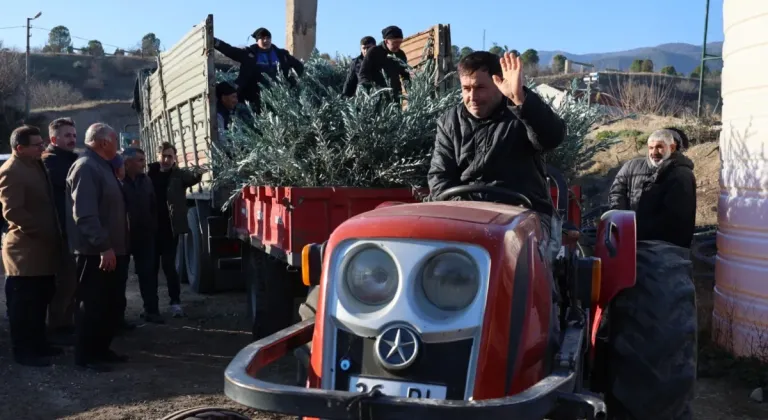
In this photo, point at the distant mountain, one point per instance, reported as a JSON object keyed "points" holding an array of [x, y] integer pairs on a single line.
{"points": [[684, 57]]}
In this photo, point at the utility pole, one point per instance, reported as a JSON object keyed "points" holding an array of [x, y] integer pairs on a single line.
{"points": [[483, 39], [300, 27], [704, 58], [26, 72]]}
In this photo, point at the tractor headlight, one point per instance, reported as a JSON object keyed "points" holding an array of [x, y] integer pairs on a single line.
{"points": [[450, 281], [372, 276]]}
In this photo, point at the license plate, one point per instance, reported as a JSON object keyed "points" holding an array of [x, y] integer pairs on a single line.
{"points": [[397, 388]]}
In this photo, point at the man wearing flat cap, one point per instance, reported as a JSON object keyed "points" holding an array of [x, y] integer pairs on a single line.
{"points": [[259, 63], [385, 56]]}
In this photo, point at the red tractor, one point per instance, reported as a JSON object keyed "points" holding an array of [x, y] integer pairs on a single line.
{"points": [[454, 310]]}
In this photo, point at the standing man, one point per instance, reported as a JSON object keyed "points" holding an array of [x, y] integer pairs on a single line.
{"points": [[661, 189], [58, 158], [32, 247], [259, 64], [386, 56], [142, 218], [98, 234], [170, 183], [350, 85]]}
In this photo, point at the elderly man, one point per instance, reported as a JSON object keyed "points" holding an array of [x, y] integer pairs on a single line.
{"points": [[350, 84], [386, 56], [497, 137], [98, 235], [170, 183], [259, 63], [661, 188], [32, 247], [58, 158], [142, 217]]}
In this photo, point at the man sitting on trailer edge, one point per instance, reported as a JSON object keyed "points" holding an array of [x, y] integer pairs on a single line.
{"points": [[497, 137]]}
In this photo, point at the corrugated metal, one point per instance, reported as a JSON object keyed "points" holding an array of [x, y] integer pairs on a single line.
{"points": [[178, 100], [741, 271]]}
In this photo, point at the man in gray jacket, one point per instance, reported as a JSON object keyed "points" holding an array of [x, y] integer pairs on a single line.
{"points": [[97, 228]]}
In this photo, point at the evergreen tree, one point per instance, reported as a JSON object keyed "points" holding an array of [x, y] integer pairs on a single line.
{"points": [[59, 40]]}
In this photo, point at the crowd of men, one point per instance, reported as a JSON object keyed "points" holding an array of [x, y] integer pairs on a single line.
{"points": [[74, 222]]}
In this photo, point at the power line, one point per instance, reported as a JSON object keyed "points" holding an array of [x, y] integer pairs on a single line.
{"points": [[80, 38], [13, 27]]}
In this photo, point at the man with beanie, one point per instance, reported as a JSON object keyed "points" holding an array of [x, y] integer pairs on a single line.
{"points": [[258, 64], [350, 85], [386, 57]]}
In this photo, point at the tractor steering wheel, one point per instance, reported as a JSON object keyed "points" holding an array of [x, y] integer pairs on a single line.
{"points": [[518, 198]]}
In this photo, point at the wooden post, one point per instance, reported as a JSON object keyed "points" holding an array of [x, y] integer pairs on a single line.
{"points": [[300, 27]]}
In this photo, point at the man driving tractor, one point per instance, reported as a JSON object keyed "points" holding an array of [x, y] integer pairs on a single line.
{"points": [[496, 137]]}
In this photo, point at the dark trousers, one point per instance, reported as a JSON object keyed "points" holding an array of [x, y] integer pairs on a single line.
{"points": [[143, 252], [165, 257], [28, 299], [100, 298]]}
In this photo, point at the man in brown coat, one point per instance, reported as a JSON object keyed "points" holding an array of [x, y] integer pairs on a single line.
{"points": [[32, 247]]}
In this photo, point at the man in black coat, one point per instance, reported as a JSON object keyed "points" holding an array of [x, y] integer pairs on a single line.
{"points": [[350, 85], [661, 189], [259, 63], [497, 137], [58, 158], [385, 56]]}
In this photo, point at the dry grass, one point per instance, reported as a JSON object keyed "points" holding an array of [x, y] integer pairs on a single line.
{"points": [[80, 105]]}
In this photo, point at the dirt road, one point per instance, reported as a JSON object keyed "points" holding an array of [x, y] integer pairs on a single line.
{"points": [[181, 364]]}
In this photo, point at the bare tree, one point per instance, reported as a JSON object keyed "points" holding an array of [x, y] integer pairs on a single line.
{"points": [[650, 95], [53, 93], [11, 75]]}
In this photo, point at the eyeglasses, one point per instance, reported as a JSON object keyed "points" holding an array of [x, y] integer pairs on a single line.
{"points": [[40, 145]]}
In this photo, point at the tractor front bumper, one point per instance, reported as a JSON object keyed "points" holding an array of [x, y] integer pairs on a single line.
{"points": [[551, 394]]}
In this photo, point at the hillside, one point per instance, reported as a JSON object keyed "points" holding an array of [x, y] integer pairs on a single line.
{"points": [[97, 78], [684, 57]]}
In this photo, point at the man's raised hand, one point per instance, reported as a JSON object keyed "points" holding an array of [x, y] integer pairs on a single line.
{"points": [[511, 83]]}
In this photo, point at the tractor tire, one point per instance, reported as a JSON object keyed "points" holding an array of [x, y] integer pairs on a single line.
{"points": [[181, 264], [199, 271], [307, 310], [652, 349]]}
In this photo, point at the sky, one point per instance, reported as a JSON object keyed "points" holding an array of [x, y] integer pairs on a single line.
{"points": [[577, 27]]}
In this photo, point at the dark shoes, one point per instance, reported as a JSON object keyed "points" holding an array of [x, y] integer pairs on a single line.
{"points": [[153, 318], [33, 361], [100, 364]]}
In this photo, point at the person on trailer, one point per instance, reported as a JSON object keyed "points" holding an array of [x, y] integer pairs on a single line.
{"points": [[387, 57], [497, 136], [661, 189], [259, 63], [350, 84]]}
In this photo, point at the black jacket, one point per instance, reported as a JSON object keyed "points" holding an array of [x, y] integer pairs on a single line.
{"points": [[663, 198], [378, 59], [58, 161], [250, 74], [350, 85], [503, 150], [142, 209]]}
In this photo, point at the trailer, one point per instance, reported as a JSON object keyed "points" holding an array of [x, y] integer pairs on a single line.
{"points": [[257, 243]]}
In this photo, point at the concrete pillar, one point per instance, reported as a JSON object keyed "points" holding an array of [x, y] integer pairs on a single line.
{"points": [[300, 27]]}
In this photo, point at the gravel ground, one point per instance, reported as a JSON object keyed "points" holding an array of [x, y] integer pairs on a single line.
{"points": [[180, 365]]}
